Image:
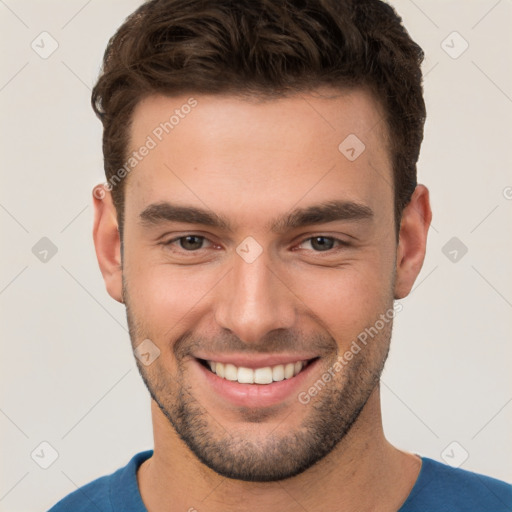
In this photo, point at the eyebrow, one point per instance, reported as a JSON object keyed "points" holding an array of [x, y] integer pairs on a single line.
{"points": [[329, 211]]}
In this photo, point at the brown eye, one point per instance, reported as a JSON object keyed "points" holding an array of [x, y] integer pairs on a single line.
{"points": [[322, 243], [191, 242]]}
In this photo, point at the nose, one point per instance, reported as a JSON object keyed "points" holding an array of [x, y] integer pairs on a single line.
{"points": [[255, 300]]}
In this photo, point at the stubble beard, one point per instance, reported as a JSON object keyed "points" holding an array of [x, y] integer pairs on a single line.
{"points": [[233, 453]]}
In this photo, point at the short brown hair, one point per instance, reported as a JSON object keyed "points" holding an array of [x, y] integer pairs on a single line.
{"points": [[265, 48]]}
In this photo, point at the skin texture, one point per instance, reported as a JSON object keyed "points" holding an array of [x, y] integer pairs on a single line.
{"points": [[252, 161]]}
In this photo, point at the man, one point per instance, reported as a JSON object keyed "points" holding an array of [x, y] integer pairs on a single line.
{"points": [[261, 214]]}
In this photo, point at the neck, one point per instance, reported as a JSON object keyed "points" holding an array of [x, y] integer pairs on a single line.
{"points": [[364, 472]]}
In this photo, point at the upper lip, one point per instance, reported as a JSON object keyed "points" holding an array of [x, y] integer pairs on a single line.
{"points": [[256, 360]]}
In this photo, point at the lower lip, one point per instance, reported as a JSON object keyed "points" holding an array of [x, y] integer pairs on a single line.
{"points": [[255, 395]]}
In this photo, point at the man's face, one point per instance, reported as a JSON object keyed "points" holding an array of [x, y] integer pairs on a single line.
{"points": [[276, 291]]}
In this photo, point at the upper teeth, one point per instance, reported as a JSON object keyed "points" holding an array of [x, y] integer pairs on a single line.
{"points": [[265, 375]]}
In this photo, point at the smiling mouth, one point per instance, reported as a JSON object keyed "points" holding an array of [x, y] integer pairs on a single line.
{"points": [[264, 375]]}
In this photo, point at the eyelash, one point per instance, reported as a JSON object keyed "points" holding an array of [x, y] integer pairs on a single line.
{"points": [[341, 243]]}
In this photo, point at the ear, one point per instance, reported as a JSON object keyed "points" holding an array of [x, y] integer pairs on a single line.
{"points": [[412, 242], [107, 242]]}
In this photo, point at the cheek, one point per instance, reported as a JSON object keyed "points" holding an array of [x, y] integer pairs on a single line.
{"points": [[349, 298], [167, 298]]}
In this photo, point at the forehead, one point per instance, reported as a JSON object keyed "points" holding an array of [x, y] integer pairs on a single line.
{"points": [[226, 152]]}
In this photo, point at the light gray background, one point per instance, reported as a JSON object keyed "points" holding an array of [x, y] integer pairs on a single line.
{"points": [[67, 372]]}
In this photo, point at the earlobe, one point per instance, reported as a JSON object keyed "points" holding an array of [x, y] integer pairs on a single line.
{"points": [[412, 244], [107, 242]]}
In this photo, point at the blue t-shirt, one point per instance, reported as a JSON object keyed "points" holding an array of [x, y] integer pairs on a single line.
{"points": [[439, 488]]}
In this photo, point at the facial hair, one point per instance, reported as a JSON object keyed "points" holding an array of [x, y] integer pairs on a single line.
{"points": [[234, 453]]}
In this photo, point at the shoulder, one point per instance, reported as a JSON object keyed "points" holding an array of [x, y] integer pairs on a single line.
{"points": [[443, 488], [94, 495], [110, 493]]}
